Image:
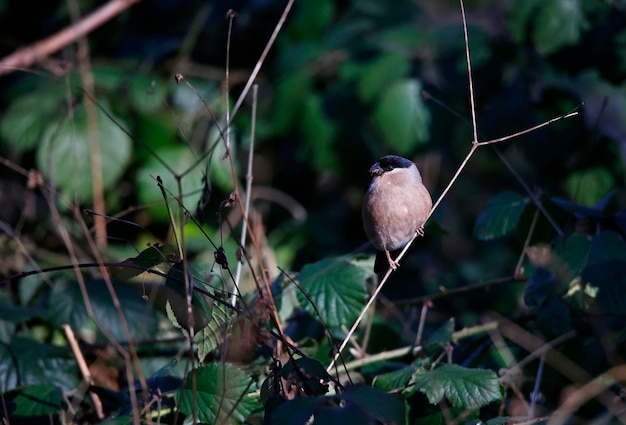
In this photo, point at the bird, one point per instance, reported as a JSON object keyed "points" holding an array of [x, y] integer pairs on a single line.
{"points": [[396, 206]]}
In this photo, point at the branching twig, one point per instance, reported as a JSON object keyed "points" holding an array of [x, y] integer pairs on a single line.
{"points": [[475, 145]]}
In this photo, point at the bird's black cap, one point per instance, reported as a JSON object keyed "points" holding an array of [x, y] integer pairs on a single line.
{"points": [[389, 162]]}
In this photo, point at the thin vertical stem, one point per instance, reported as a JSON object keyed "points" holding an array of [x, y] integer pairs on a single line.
{"points": [[246, 210], [469, 75]]}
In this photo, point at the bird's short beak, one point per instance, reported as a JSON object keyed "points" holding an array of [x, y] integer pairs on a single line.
{"points": [[375, 170]]}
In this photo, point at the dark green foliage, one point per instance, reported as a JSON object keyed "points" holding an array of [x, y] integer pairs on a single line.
{"points": [[530, 239]]}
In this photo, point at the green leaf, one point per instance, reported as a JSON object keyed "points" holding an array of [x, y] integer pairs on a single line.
{"points": [[148, 258], [16, 313], [606, 246], [65, 154], [441, 336], [395, 380], [379, 405], [311, 19], [539, 288], [559, 24], [521, 14], [579, 210], [180, 159], [500, 216], [553, 23], [602, 99], [297, 411], [402, 117], [147, 93], [576, 251], [359, 404], [336, 287], [464, 388], [377, 75], [222, 394], [289, 100], [587, 187], [553, 318], [38, 400], [27, 362], [319, 132], [66, 305], [108, 77], [214, 333], [436, 418], [23, 123], [308, 373], [175, 284], [606, 282]]}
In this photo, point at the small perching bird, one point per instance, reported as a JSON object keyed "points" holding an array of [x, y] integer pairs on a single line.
{"points": [[396, 207]]}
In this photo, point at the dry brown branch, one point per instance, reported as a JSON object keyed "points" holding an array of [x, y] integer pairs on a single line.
{"points": [[27, 56], [82, 366]]}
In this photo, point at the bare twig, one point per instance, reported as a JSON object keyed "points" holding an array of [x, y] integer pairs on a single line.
{"points": [[95, 156], [29, 55], [469, 76], [475, 145], [82, 366], [248, 194]]}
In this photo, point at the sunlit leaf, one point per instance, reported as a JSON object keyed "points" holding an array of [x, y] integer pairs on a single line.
{"points": [[587, 187], [213, 334], [149, 257], [395, 380], [336, 287], [222, 394], [179, 159], [402, 116], [462, 387], [65, 155], [500, 216]]}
